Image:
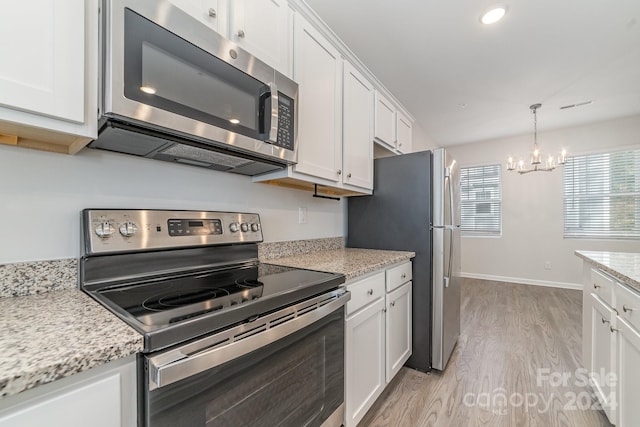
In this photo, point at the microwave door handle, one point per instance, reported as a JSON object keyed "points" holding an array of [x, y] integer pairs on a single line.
{"points": [[273, 129]]}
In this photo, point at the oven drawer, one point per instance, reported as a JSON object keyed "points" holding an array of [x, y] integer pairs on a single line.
{"points": [[365, 291]]}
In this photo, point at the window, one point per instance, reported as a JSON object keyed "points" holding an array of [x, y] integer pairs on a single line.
{"points": [[602, 195], [480, 201]]}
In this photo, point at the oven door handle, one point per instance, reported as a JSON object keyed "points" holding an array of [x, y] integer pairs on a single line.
{"points": [[162, 374]]}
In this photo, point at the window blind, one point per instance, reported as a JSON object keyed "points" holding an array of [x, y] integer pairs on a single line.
{"points": [[602, 195], [480, 201]]}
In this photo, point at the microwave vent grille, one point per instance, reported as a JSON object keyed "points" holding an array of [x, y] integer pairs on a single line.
{"points": [[206, 156]]}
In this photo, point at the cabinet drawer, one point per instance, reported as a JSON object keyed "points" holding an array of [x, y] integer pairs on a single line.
{"points": [[396, 276], [628, 304], [365, 291], [602, 286]]}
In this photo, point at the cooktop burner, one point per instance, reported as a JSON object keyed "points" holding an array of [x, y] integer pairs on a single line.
{"points": [[180, 296]]}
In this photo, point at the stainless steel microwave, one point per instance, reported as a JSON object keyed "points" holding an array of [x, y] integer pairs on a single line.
{"points": [[173, 89]]}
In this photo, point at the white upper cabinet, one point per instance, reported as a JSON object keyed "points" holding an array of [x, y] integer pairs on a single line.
{"points": [[357, 129], [393, 128], [404, 132], [43, 58], [263, 28], [48, 78], [317, 69], [385, 121], [212, 13]]}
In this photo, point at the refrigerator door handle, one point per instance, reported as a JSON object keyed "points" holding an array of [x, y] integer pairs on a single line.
{"points": [[448, 276], [450, 228]]}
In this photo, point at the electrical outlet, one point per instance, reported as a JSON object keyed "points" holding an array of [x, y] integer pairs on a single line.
{"points": [[547, 265], [302, 215]]}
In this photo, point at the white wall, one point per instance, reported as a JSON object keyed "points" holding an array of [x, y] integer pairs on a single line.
{"points": [[42, 194], [420, 140], [532, 224]]}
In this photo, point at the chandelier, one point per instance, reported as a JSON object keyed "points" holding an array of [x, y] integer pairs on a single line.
{"points": [[536, 154]]}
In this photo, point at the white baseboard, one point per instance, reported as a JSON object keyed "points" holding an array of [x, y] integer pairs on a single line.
{"points": [[522, 281]]}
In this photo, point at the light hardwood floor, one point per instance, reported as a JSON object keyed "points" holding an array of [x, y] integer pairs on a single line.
{"points": [[515, 364]]}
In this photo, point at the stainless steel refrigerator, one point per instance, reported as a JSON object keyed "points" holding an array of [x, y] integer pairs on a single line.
{"points": [[414, 207]]}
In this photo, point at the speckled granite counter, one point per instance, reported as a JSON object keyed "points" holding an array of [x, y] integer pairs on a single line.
{"points": [[621, 265], [349, 261], [52, 335]]}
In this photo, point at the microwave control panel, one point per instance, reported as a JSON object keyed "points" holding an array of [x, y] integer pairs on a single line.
{"points": [[286, 132]]}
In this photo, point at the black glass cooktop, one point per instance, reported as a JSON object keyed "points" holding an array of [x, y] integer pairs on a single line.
{"points": [[169, 301]]}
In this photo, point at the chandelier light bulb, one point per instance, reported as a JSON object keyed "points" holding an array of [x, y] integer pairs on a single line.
{"points": [[562, 158], [535, 158]]}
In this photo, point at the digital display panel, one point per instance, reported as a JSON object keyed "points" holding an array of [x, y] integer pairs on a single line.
{"points": [[190, 227]]}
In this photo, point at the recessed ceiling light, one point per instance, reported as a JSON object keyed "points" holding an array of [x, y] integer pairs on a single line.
{"points": [[234, 121], [493, 15]]}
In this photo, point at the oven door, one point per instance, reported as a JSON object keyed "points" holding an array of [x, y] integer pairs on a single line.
{"points": [[283, 369], [166, 71]]}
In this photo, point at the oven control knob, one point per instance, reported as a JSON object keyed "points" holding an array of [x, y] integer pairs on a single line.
{"points": [[255, 227], [234, 227], [104, 230], [128, 229], [244, 227]]}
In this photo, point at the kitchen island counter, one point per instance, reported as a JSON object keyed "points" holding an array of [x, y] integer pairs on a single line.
{"points": [[621, 265], [351, 262]]}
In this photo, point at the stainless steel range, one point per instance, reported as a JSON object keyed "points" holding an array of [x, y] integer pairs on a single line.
{"points": [[228, 340]]}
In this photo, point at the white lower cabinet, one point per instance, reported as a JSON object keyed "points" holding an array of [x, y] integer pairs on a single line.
{"points": [[365, 353], [377, 337], [628, 380], [398, 329], [611, 345], [101, 397], [603, 354]]}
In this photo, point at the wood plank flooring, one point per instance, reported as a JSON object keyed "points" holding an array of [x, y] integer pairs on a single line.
{"points": [[515, 364]]}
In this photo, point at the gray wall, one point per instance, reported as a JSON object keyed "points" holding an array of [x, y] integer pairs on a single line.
{"points": [[532, 225], [43, 193]]}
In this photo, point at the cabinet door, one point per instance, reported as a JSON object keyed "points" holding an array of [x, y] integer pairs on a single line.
{"points": [[205, 11], [264, 28], [603, 354], [318, 70], [357, 129], [364, 360], [385, 121], [42, 53], [398, 329], [101, 397], [628, 378], [403, 133]]}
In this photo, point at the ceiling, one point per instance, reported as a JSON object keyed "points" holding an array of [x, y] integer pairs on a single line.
{"points": [[466, 82]]}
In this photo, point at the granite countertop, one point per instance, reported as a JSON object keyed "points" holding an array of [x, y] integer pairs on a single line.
{"points": [[54, 334], [621, 265], [349, 261], [48, 336]]}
